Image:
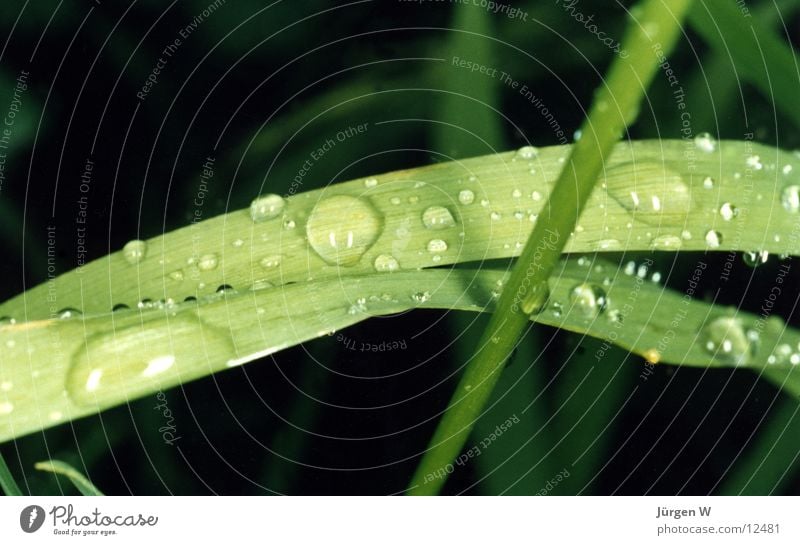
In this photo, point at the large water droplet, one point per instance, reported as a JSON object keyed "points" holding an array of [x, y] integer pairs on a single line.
{"points": [[142, 358], [342, 228], [588, 300], [135, 251], [437, 217], [656, 193], [437, 246], [386, 263], [728, 211], [266, 207], [790, 199], [727, 340], [754, 259]]}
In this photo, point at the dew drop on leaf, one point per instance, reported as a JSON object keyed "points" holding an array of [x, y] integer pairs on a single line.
{"points": [[266, 207], [341, 229], [705, 142], [386, 263], [754, 259], [728, 211], [466, 196], [437, 218], [526, 153], [437, 246], [667, 242], [654, 192], [727, 340], [588, 300], [208, 262], [790, 199], [135, 251]]}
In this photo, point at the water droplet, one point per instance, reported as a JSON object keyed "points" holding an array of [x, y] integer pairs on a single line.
{"points": [[608, 244], [495, 216], [208, 262], [437, 218], [421, 297], [370, 182], [726, 339], [69, 312], [266, 207], [728, 211], [289, 224], [536, 299], [588, 300], [536, 196], [754, 259], [386, 263], [667, 242], [395, 200], [437, 246], [270, 261], [708, 182], [342, 228], [413, 199], [6, 407], [466, 196], [705, 142], [713, 239], [754, 162], [787, 169], [134, 251], [516, 194], [176, 275], [238, 243], [526, 153], [142, 358], [650, 187], [790, 199]]}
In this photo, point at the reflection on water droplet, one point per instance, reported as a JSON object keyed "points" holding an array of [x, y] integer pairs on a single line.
{"points": [[728, 211], [342, 228], [69, 312], [466, 196], [713, 239], [705, 142], [790, 199], [727, 340], [386, 263], [656, 193], [588, 300], [142, 358], [437, 218], [266, 207], [135, 251]]}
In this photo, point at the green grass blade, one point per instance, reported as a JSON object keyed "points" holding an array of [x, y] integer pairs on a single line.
{"points": [[7, 483], [615, 107], [58, 467]]}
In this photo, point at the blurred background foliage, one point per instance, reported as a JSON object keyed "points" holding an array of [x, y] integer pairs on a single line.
{"points": [[259, 86]]}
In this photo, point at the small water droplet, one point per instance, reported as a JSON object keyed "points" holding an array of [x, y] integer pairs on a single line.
{"points": [[466, 196], [536, 299], [727, 340], [787, 169], [176, 275], [713, 239], [536, 196], [659, 192], [238, 243], [413, 199], [342, 228], [495, 216], [141, 358], [608, 244], [526, 153], [370, 182], [754, 162], [208, 262], [386, 263], [270, 261], [69, 312], [6, 407], [705, 142], [437, 218], [588, 300], [754, 259], [289, 224], [437, 246], [708, 182], [395, 200], [421, 297], [266, 207], [516, 194], [728, 211], [790, 199], [135, 251]]}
